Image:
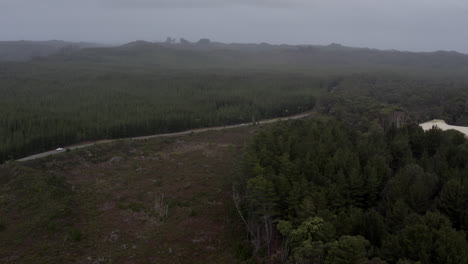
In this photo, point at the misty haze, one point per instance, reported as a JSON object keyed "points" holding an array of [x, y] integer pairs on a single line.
{"points": [[234, 131], [420, 25]]}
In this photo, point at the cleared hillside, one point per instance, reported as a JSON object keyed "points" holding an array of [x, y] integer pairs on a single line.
{"points": [[153, 201]]}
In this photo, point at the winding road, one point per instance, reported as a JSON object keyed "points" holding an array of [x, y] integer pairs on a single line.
{"points": [[198, 130]]}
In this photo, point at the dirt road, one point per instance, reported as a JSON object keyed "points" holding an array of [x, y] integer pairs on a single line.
{"points": [[198, 130]]}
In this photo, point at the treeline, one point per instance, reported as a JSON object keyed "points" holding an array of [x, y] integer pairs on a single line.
{"points": [[319, 191], [46, 105], [424, 97], [47, 108]]}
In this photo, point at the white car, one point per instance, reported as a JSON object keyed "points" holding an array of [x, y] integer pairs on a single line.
{"points": [[59, 149]]}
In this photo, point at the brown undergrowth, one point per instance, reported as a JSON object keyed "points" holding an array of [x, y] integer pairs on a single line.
{"points": [[153, 201]]}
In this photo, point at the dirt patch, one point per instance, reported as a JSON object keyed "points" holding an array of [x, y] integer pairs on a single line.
{"points": [[151, 201]]}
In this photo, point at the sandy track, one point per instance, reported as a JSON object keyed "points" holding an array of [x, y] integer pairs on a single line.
{"points": [[198, 130], [444, 126]]}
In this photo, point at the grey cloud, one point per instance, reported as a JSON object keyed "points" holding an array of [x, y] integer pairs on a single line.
{"points": [[394, 4], [200, 3], [421, 25]]}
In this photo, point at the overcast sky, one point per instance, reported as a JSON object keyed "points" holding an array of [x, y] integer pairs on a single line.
{"points": [[417, 25]]}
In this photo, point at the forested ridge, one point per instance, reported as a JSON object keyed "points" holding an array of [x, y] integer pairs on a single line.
{"points": [[209, 55], [320, 191], [52, 107], [144, 88]]}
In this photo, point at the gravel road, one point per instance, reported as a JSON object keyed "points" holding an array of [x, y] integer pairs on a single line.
{"points": [[198, 130]]}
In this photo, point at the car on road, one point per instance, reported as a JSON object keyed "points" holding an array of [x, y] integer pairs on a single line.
{"points": [[59, 149]]}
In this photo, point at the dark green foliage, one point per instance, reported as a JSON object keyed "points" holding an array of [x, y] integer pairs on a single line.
{"points": [[348, 250], [379, 97], [453, 201], [341, 196], [429, 239], [414, 186], [47, 107]]}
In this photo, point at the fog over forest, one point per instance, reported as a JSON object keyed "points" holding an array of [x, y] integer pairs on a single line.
{"points": [[234, 131], [419, 25]]}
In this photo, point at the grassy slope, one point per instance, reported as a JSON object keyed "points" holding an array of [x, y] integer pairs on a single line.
{"points": [[98, 204]]}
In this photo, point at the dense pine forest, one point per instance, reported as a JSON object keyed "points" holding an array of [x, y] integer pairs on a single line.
{"points": [[320, 191], [43, 112], [144, 88]]}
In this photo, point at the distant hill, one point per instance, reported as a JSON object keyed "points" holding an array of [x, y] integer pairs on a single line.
{"points": [[205, 54], [24, 50]]}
